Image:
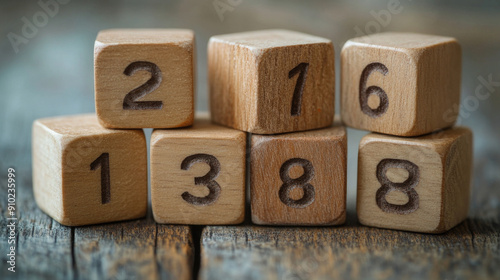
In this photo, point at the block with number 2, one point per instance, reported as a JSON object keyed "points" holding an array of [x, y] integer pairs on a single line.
{"points": [[144, 78]]}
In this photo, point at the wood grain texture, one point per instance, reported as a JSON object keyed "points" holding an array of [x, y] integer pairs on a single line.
{"points": [[67, 184], [252, 81], [440, 191], [172, 54], [312, 190], [198, 175], [468, 251], [420, 75], [133, 250], [125, 250]]}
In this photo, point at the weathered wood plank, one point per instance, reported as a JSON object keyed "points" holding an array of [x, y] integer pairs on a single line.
{"points": [[137, 249], [133, 250], [471, 250], [44, 246]]}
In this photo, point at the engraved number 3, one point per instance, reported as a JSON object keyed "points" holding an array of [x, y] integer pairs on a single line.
{"points": [[208, 180]]}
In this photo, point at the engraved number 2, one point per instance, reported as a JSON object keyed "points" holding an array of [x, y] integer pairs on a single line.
{"points": [[130, 101], [208, 180], [407, 187]]}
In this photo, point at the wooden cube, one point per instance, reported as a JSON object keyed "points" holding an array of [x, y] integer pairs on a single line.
{"points": [[417, 184], [401, 84], [299, 178], [144, 78], [86, 174], [271, 81], [198, 175]]}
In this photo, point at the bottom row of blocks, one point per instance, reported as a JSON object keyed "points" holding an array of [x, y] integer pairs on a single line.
{"points": [[86, 174]]}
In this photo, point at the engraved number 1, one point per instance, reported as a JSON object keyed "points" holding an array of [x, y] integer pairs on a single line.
{"points": [[300, 69], [103, 162]]}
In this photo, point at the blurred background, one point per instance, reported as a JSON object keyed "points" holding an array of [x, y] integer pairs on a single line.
{"points": [[47, 70]]}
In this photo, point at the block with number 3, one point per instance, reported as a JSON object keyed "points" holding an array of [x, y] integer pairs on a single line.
{"points": [[299, 178], [271, 81], [417, 184], [86, 174], [144, 78], [198, 175]]}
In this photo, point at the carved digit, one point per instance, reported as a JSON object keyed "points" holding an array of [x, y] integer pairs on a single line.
{"points": [[302, 182], [364, 92], [208, 180], [406, 187]]}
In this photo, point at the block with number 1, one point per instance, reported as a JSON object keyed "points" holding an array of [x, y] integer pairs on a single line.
{"points": [[271, 81], [86, 174]]}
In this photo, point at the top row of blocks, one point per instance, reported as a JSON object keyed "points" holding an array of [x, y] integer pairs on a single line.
{"points": [[278, 81]]}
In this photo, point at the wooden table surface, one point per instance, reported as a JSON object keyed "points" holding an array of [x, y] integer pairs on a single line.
{"points": [[52, 75]]}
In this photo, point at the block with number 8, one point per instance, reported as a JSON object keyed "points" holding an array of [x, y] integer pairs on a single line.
{"points": [[401, 84], [86, 174], [144, 78], [299, 178], [417, 184], [271, 81], [198, 175]]}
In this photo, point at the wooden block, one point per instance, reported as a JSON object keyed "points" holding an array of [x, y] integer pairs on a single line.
{"points": [[401, 84], [198, 175], [144, 78], [417, 184], [299, 178], [86, 174], [271, 81]]}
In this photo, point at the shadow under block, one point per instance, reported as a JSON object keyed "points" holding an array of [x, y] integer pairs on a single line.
{"points": [[144, 78], [86, 174], [417, 184], [198, 175], [271, 81], [299, 178], [401, 84]]}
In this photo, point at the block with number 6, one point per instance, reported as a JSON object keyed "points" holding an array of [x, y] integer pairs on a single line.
{"points": [[299, 178], [271, 81], [417, 184], [86, 174], [198, 175], [401, 84], [144, 78]]}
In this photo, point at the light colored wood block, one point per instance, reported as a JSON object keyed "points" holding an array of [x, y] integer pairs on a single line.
{"points": [[416, 184], [402, 84], [271, 81], [86, 174], [145, 78], [198, 175], [299, 178]]}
